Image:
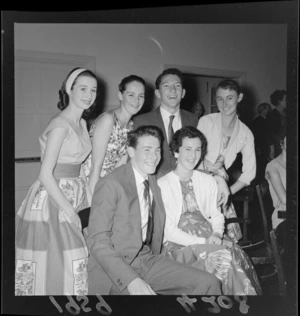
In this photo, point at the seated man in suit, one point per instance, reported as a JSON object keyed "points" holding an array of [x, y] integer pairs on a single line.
{"points": [[170, 118], [126, 230]]}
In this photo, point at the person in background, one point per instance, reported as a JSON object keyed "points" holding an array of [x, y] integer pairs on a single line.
{"points": [[126, 230], [258, 128], [198, 109], [109, 131], [51, 252], [227, 136], [169, 118], [276, 176], [276, 122], [194, 229]]}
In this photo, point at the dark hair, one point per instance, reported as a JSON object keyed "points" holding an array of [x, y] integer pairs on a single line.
{"points": [[125, 81], [277, 96], [64, 97], [169, 71], [190, 132], [229, 84], [144, 130], [263, 106]]}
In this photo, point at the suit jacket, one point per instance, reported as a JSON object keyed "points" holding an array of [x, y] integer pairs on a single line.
{"points": [[114, 231], [168, 161]]}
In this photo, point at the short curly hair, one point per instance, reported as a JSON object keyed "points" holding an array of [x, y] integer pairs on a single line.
{"points": [[277, 96], [189, 132], [64, 97]]}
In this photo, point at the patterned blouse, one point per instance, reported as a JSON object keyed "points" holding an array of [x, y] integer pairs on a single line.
{"points": [[116, 147]]}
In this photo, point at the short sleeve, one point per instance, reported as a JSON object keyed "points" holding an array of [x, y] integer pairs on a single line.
{"points": [[57, 122]]}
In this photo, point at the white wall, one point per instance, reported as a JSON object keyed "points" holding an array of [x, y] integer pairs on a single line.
{"points": [[259, 50]]}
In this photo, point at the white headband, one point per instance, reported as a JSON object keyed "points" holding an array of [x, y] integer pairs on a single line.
{"points": [[72, 78]]}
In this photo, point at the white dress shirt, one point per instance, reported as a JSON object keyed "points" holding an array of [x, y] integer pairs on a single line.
{"points": [[166, 119], [139, 180]]}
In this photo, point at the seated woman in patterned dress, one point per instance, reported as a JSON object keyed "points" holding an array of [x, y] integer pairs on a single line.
{"points": [[109, 131], [194, 228], [51, 252]]}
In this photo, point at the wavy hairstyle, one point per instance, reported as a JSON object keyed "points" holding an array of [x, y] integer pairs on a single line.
{"points": [[189, 132], [125, 81], [64, 97]]}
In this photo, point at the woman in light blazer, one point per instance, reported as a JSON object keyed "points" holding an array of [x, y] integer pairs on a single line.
{"points": [[194, 228]]}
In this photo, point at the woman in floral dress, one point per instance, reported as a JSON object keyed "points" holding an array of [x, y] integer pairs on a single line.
{"points": [[227, 136], [109, 131], [51, 252], [194, 228]]}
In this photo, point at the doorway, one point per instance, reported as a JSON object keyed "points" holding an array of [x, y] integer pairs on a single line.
{"points": [[200, 85]]}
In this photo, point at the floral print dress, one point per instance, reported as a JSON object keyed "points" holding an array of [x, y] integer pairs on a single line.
{"points": [[231, 266], [51, 252], [116, 147]]}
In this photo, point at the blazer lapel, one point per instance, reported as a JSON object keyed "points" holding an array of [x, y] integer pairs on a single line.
{"points": [[184, 120], [133, 200], [159, 122]]}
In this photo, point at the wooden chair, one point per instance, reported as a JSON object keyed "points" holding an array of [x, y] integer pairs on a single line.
{"points": [[278, 261], [245, 196], [265, 253], [271, 237]]}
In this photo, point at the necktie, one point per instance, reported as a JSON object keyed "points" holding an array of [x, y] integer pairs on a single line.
{"points": [[150, 205], [170, 128]]}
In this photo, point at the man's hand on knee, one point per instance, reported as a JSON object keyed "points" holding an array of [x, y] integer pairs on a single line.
{"points": [[139, 287]]}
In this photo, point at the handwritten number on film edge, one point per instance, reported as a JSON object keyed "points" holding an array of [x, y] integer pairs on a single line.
{"points": [[223, 301], [74, 309]]}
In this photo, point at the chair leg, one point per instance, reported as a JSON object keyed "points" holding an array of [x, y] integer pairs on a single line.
{"points": [[278, 262], [245, 225]]}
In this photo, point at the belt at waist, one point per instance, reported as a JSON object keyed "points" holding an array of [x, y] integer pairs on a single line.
{"points": [[62, 170]]}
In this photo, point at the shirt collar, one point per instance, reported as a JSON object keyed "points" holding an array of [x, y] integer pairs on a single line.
{"points": [[139, 179], [165, 114]]}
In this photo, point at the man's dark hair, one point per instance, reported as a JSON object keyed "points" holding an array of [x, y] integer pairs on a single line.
{"points": [[144, 130], [229, 84], [168, 71]]}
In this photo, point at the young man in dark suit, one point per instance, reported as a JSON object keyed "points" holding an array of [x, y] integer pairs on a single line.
{"points": [[125, 231], [168, 116]]}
